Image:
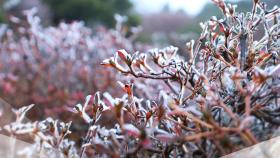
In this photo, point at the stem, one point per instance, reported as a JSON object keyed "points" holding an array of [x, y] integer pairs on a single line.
{"points": [[243, 46], [13, 147]]}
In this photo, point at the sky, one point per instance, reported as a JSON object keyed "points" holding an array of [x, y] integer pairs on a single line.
{"points": [[191, 7]]}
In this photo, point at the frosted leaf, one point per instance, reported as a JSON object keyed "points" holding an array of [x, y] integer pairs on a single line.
{"points": [[20, 113], [132, 130]]}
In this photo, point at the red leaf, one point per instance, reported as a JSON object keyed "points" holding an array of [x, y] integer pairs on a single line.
{"points": [[168, 138], [263, 57], [123, 54], [131, 130], [146, 143]]}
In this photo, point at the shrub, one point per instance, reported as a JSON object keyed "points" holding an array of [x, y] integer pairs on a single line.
{"points": [[223, 98], [35, 61]]}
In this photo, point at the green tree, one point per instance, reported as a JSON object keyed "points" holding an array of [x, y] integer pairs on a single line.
{"points": [[2, 13], [1, 16], [101, 11]]}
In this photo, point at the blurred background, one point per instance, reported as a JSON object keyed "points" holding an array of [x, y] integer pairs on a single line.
{"points": [[161, 20]]}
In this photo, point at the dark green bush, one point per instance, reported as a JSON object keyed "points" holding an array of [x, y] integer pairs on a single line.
{"points": [[101, 11]]}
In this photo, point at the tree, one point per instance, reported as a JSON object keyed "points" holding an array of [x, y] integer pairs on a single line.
{"points": [[97, 11]]}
